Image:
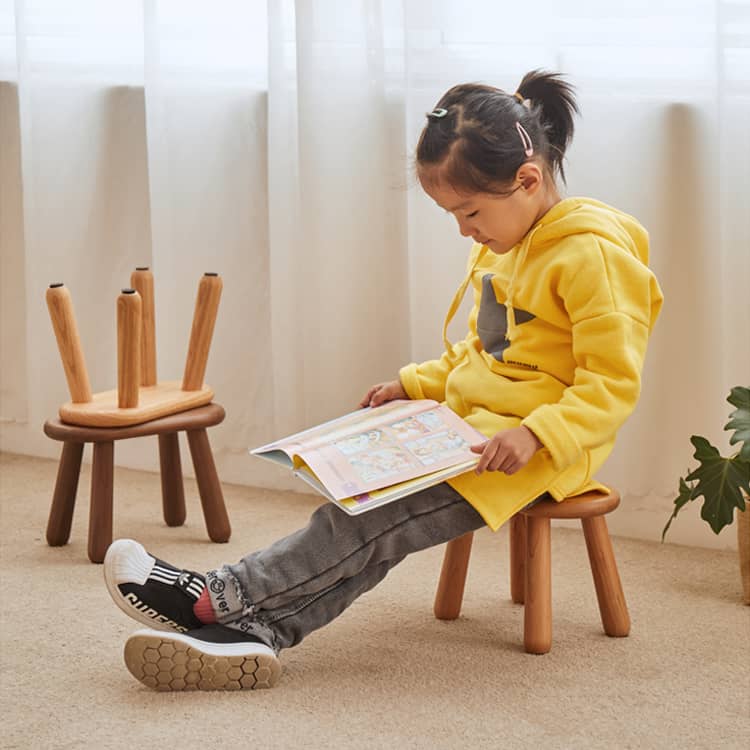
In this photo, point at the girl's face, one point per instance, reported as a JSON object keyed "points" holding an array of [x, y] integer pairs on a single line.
{"points": [[498, 221]]}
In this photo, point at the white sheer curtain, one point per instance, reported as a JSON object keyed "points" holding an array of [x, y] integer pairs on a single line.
{"points": [[272, 143], [337, 204], [135, 134]]}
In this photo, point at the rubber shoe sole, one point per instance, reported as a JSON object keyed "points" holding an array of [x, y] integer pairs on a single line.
{"points": [[175, 662]]}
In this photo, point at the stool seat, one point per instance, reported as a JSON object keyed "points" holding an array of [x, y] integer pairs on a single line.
{"points": [[193, 422], [193, 419], [531, 569], [587, 505], [154, 401]]}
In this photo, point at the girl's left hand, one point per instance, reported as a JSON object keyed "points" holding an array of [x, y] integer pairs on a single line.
{"points": [[507, 451]]}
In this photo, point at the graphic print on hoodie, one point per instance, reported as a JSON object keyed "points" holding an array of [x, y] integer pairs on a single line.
{"points": [[492, 320]]}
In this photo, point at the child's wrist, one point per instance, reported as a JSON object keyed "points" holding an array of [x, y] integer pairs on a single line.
{"points": [[537, 442]]}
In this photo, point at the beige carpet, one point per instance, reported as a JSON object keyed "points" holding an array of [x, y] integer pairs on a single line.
{"points": [[386, 674]]}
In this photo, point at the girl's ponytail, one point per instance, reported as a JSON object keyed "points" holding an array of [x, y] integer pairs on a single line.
{"points": [[479, 135], [554, 100]]}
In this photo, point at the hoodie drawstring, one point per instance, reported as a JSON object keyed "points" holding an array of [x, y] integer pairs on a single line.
{"points": [[458, 298], [509, 311]]}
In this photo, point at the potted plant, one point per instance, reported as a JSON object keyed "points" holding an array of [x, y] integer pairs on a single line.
{"points": [[724, 482]]}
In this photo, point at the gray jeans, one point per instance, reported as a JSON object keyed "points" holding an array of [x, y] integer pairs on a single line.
{"points": [[305, 580]]}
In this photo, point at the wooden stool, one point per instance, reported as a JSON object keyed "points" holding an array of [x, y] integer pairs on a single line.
{"points": [[530, 567], [141, 405], [194, 422]]}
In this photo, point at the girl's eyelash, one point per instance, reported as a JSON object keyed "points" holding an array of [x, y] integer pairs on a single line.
{"points": [[472, 214]]}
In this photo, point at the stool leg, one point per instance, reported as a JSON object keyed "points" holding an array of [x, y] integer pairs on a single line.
{"points": [[612, 606], [450, 592], [172, 489], [64, 497], [100, 510], [537, 616], [212, 499], [517, 557]]}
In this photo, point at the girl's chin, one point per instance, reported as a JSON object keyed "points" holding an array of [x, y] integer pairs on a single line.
{"points": [[497, 248]]}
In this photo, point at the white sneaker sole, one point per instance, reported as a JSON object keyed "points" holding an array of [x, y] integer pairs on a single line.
{"points": [[127, 561], [176, 662]]}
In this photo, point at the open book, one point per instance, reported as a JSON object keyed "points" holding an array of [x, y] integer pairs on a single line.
{"points": [[376, 455]]}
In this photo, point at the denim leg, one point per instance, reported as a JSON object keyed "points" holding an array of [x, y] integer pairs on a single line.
{"points": [[302, 582]]}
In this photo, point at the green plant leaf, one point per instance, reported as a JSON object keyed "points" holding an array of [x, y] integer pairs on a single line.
{"points": [[739, 420], [719, 481], [686, 494]]}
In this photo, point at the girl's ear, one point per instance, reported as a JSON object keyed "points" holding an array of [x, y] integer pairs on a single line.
{"points": [[530, 177]]}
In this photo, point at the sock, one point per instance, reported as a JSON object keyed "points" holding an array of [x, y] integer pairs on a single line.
{"points": [[203, 610]]}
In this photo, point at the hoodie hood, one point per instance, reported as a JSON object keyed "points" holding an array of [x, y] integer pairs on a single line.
{"points": [[588, 216], [571, 216], [576, 216]]}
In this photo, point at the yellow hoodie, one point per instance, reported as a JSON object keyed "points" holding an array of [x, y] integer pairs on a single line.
{"points": [[556, 342]]}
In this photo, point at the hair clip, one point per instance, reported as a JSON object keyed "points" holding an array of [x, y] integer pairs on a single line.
{"points": [[437, 113], [528, 146]]}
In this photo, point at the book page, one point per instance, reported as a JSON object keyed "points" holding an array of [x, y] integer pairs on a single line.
{"points": [[350, 424], [392, 450], [369, 500]]}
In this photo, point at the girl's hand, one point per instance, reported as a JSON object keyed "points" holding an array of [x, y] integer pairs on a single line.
{"points": [[383, 392], [507, 451]]}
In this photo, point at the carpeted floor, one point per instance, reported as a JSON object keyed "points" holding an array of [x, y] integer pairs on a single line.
{"points": [[386, 674]]}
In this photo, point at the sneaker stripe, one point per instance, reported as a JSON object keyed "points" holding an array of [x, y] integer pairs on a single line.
{"points": [[172, 575], [162, 579], [163, 576], [195, 588]]}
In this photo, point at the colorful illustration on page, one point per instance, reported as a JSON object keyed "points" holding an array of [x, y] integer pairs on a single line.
{"points": [[358, 443], [434, 448], [373, 455], [386, 462]]}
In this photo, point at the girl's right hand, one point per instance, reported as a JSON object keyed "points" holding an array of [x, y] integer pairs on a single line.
{"points": [[383, 392]]}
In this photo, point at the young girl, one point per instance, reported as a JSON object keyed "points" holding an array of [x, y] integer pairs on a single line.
{"points": [[549, 370]]}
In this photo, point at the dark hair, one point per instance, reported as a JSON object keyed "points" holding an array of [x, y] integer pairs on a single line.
{"points": [[476, 142]]}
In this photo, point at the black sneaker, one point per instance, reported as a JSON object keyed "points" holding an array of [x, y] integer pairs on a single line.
{"points": [[149, 590], [213, 657]]}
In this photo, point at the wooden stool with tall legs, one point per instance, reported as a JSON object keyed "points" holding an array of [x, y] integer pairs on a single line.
{"points": [[531, 570], [139, 407]]}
